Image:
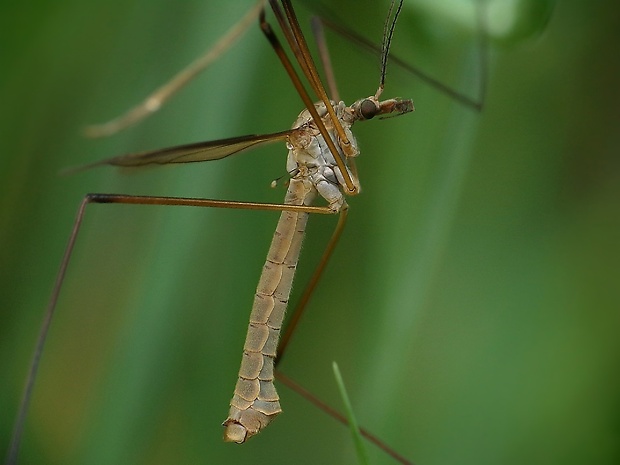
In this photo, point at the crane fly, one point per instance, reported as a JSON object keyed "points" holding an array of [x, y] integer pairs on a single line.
{"points": [[321, 153]]}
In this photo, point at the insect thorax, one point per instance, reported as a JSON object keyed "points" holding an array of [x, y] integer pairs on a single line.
{"points": [[309, 157]]}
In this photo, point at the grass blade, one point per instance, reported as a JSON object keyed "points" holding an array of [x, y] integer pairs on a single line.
{"points": [[355, 432]]}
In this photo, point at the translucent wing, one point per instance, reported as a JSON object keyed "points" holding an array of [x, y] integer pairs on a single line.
{"points": [[199, 151], [189, 153]]}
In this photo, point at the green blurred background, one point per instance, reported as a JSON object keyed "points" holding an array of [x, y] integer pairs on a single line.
{"points": [[472, 305]]}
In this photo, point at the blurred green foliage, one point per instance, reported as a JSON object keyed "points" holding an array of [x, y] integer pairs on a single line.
{"points": [[473, 305]]}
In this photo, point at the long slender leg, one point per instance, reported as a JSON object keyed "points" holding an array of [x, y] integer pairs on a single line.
{"points": [[292, 325], [277, 46], [475, 103], [305, 60], [319, 37], [339, 417], [18, 428], [294, 36], [309, 289], [160, 96]]}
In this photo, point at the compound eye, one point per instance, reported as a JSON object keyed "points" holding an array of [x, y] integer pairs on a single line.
{"points": [[368, 109]]}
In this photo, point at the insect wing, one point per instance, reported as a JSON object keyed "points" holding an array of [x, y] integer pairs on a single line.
{"points": [[195, 152]]}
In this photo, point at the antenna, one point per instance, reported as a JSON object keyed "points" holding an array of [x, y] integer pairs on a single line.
{"points": [[388, 32]]}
